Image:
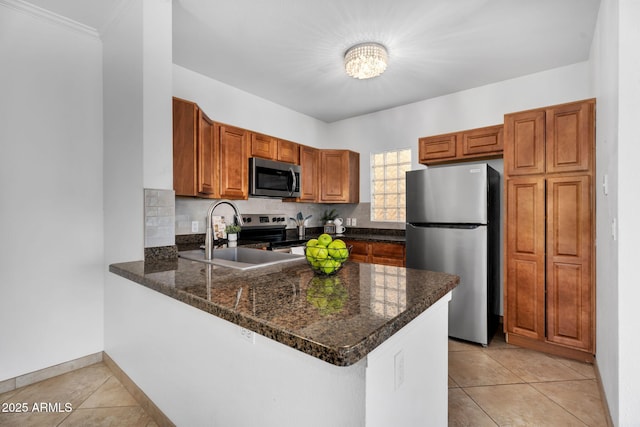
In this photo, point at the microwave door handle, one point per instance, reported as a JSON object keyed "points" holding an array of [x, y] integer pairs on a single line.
{"points": [[293, 182]]}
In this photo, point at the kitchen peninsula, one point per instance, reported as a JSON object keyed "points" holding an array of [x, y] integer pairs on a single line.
{"points": [[278, 346]]}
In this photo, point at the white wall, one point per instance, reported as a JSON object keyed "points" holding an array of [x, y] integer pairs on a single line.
{"points": [[201, 371], [157, 83], [615, 61], [136, 61], [483, 106], [226, 104], [51, 263], [384, 130], [138, 132], [628, 207], [123, 137], [604, 64]]}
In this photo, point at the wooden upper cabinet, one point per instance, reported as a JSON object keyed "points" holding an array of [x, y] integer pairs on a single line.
{"points": [[288, 152], [570, 238], [472, 144], [208, 175], [437, 147], [263, 146], [194, 151], [210, 160], [525, 257], [524, 146], [185, 147], [233, 146], [570, 135], [267, 147], [310, 166], [339, 176], [482, 141], [555, 139]]}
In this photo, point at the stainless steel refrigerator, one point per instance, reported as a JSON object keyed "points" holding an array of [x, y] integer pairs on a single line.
{"points": [[452, 226]]}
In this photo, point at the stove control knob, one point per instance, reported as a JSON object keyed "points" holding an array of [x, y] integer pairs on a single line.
{"points": [[246, 219]]}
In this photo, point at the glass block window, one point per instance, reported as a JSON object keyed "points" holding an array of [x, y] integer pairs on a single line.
{"points": [[389, 296], [388, 184]]}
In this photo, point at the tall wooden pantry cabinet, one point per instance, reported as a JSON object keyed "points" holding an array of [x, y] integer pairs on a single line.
{"points": [[549, 168]]}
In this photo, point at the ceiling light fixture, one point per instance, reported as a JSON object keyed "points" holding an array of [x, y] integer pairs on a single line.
{"points": [[366, 60]]}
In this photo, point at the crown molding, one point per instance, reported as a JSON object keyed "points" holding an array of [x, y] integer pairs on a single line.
{"points": [[40, 13]]}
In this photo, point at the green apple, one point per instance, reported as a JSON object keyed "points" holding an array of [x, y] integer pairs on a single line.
{"points": [[322, 252], [338, 250], [312, 242], [324, 239], [312, 252], [328, 266]]}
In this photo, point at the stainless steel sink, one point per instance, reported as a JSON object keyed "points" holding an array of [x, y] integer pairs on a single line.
{"points": [[242, 258]]}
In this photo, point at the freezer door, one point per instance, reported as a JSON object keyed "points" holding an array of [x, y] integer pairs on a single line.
{"points": [[448, 194], [462, 252]]}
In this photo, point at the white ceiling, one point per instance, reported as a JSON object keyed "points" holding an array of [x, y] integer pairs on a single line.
{"points": [[291, 51]]}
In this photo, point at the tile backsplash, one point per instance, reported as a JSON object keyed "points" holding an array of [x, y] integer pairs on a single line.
{"points": [[159, 214], [190, 213]]}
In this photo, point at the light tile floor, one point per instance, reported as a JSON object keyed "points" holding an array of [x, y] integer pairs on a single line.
{"points": [[90, 396], [501, 385], [505, 385]]}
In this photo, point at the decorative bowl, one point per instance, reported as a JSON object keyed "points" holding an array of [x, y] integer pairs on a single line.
{"points": [[326, 261]]}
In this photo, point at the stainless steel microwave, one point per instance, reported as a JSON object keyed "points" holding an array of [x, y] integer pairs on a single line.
{"points": [[268, 178]]}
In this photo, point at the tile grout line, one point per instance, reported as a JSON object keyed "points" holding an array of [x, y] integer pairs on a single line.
{"points": [[528, 383], [154, 412], [480, 406]]}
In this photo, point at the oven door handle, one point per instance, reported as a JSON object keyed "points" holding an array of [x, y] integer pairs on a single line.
{"points": [[292, 181]]}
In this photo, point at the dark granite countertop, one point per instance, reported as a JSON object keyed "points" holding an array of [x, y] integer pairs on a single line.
{"points": [[338, 319], [374, 237], [193, 241]]}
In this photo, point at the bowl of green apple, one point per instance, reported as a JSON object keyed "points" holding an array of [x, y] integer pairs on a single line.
{"points": [[326, 255]]}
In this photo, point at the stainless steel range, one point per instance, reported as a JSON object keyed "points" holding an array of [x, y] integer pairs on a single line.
{"points": [[268, 228]]}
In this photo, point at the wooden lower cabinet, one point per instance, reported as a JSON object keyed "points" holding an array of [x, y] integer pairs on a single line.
{"points": [[570, 240], [525, 254], [359, 250], [377, 252], [549, 292]]}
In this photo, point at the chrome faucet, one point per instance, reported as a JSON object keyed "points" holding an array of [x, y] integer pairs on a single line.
{"points": [[208, 240]]}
